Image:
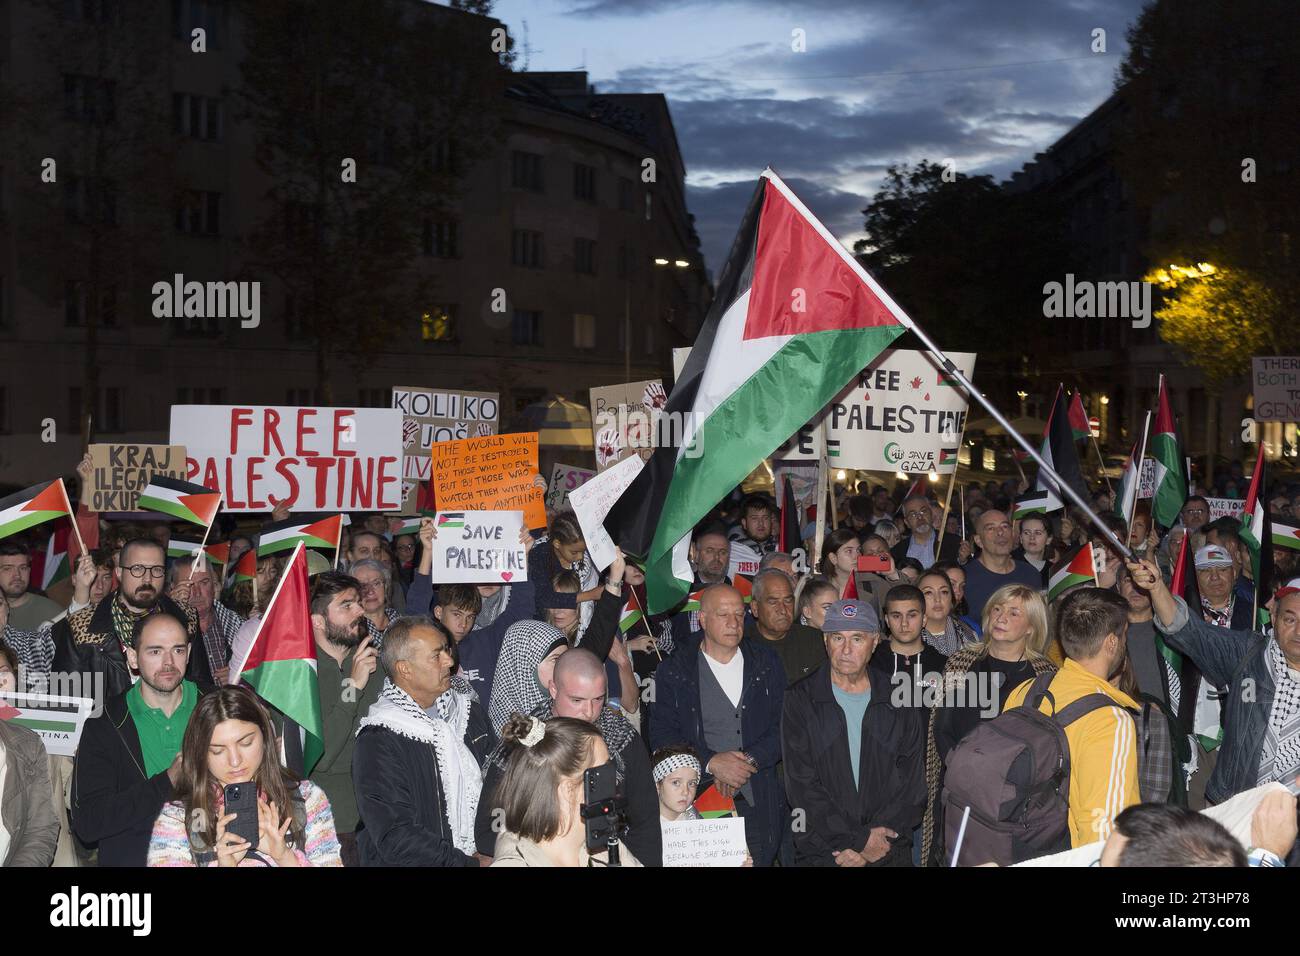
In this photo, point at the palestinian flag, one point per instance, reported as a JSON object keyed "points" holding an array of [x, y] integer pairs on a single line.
{"points": [[181, 548], [1079, 568], [740, 583], [284, 535], [1171, 474], [54, 566], [795, 318], [693, 601], [631, 614], [281, 662], [1256, 529], [1060, 454], [246, 566], [33, 506], [218, 553], [947, 456], [181, 500], [711, 804], [1080, 427], [1286, 536], [451, 519], [411, 524], [1126, 494], [1034, 502]]}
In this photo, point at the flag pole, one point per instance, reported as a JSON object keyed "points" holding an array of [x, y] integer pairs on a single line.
{"points": [[947, 501], [270, 604], [1131, 509], [72, 515], [204, 543], [820, 531], [961, 497], [338, 543]]}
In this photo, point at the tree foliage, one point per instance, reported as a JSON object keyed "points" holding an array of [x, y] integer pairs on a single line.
{"points": [[1221, 321]]}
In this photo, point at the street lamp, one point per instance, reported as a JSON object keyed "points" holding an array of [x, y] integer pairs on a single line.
{"points": [[627, 311]]}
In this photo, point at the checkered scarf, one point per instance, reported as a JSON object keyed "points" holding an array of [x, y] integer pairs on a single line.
{"points": [[515, 687], [1281, 752]]}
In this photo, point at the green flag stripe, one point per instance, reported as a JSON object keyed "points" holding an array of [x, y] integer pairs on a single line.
{"points": [[290, 686], [33, 518], [1171, 492], [32, 723], [173, 508], [1069, 581]]}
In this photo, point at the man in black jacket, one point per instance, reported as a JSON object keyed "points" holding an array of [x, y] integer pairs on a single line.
{"points": [[93, 642], [415, 764], [854, 764], [579, 689], [128, 759], [922, 537]]}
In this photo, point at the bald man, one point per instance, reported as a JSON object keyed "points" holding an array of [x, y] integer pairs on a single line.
{"points": [[995, 566], [722, 693]]}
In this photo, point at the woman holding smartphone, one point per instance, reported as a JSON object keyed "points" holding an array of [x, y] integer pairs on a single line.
{"points": [[230, 752]]}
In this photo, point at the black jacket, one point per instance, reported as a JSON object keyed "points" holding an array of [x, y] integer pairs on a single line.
{"points": [[114, 802], [86, 643], [399, 797], [819, 773], [948, 546]]}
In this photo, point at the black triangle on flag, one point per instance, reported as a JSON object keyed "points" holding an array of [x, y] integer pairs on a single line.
{"points": [[1060, 452]]}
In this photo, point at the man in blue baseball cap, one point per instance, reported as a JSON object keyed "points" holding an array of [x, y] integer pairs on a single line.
{"points": [[854, 764]]}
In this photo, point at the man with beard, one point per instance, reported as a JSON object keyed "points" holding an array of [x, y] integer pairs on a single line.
{"points": [[128, 760], [922, 541], [94, 642], [710, 556], [345, 666], [27, 609], [579, 688], [756, 525]]}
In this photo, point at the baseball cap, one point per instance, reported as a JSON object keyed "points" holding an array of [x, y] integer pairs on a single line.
{"points": [[1291, 587], [850, 616], [1212, 556]]}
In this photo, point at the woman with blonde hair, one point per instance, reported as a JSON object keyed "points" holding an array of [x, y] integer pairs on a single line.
{"points": [[976, 683]]}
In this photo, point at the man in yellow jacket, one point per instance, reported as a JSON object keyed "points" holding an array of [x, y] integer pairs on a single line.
{"points": [[1092, 626]]}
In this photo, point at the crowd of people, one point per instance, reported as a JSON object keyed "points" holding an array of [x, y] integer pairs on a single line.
{"points": [[908, 697]]}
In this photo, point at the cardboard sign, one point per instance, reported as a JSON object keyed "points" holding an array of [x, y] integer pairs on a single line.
{"points": [[121, 472], [478, 547], [625, 420], [717, 842], [1276, 382], [489, 474], [901, 413], [1226, 507], [592, 502], [430, 416], [57, 720], [564, 479], [313, 459]]}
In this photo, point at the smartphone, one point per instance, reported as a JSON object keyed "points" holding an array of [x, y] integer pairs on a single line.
{"points": [[877, 563], [241, 800], [599, 799]]}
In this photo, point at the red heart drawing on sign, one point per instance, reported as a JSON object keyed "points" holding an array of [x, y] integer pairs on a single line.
{"points": [[507, 575]]}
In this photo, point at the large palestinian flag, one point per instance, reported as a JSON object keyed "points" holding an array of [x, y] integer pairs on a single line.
{"points": [[181, 500], [1171, 469], [1060, 454], [794, 319], [285, 535], [33, 506]]}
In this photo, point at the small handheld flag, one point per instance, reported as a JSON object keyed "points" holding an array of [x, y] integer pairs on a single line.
{"points": [[181, 499]]}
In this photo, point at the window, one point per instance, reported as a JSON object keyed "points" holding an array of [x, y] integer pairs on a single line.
{"points": [[446, 158], [200, 396], [439, 324], [108, 413], [89, 99], [114, 412], [199, 117], [527, 328], [584, 182], [375, 397], [89, 200], [526, 248], [626, 195], [198, 324], [584, 256], [199, 213], [74, 302], [584, 331], [191, 15], [526, 170], [93, 11], [442, 239]]}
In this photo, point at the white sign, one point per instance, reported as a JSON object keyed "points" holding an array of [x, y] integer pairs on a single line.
{"points": [[744, 560], [1276, 381], [1147, 479], [1226, 507], [56, 720], [592, 502], [564, 479], [478, 547], [716, 842], [313, 459], [901, 413], [679, 362]]}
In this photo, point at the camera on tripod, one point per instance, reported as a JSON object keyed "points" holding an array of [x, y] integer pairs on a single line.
{"points": [[604, 810]]}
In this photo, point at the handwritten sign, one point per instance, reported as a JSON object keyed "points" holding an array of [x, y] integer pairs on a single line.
{"points": [[1226, 507], [494, 473], [592, 502], [564, 479], [717, 842], [121, 472], [312, 459], [431, 415], [1276, 381], [478, 547], [624, 420], [56, 720]]}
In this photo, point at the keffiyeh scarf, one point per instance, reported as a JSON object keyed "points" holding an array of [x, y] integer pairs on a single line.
{"points": [[616, 730], [515, 687], [1281, 752], [397, 711]]}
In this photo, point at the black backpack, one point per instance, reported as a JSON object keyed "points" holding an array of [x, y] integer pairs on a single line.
{"points": [[1013, 772]]}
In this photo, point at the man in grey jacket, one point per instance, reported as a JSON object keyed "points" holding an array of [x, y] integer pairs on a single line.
{"points": [[26, 802]]}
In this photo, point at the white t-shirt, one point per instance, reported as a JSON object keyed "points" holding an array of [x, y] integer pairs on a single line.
{"points": [[731, 676]]}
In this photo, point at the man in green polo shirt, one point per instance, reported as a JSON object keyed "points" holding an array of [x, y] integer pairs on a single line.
{"points": [[128, 761]]}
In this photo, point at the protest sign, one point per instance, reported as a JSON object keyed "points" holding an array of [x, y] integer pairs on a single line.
{"points": [[56, 720], [478, 547], [120, 472], [901, 413], [489, 474], [679, 362], [312, 459], [564, 479], [592, 502], [1276, 382], [624, 420], [718, 842], [744, 560], [1226, 508], [433, 415], [1147, 479]]}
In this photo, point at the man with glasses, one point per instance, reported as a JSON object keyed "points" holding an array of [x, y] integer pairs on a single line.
{"points": [[921, 537], [218, 624], [375, 585], [93, 642], [1196, 512]]}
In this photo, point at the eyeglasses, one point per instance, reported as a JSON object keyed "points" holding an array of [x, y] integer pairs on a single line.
{"points": [[367, 587], [140, 570]]}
